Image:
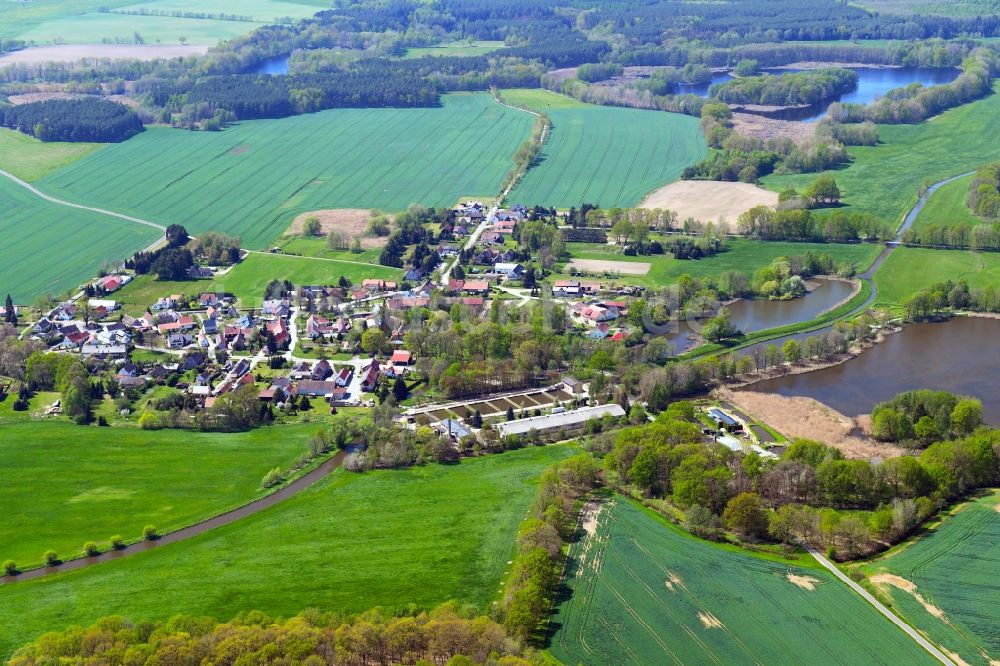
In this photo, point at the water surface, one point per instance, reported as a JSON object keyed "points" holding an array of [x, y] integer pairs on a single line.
{"points": [[957, 355], [275, 66]]}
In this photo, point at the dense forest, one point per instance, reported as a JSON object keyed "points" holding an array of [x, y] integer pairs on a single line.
{"points": [[787, 89], [84, 119], [984, 192]]}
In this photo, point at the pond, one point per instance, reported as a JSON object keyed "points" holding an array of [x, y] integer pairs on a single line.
{"points": [[956, 355], [873, 82], [757, 315], [276, 65]]}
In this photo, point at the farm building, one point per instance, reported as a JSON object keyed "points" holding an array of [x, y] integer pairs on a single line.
{"points": [[723, 420], [566, 420]]}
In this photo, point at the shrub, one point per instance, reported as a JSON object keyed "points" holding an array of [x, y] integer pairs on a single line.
{"points": [[91, 549], [50, 557], [9, 568], [117, 542], [149, 533], [272, 478]]}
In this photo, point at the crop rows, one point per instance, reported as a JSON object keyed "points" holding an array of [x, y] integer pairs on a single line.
{"points": [[646, 594], [609, 156], [49, 248], [954, 569], [253, 179]]}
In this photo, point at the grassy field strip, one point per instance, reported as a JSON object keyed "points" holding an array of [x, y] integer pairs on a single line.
{"points": [[908, 269], [351, 542], [105, 481], [947, 207], [943, 582], [30, 159], [242, 181], [644, 592], [604, 155], [884, 179]]}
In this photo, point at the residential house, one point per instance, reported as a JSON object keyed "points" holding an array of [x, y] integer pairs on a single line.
{"points": [[199, 273], [343, 377], [277, 308], [104, 351], [476, 287], [455, 286], [415, 274], [401, 357], [315, 388], [369, 375], [322, 370], [510, 271]]}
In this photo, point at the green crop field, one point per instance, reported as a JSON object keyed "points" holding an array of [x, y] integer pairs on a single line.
{"points": [[83, 23], [92, 483], [954, 570], [253, 179], [909, 269], [317, 247], [30, 159], [743, 255], [48, 248], [468, 48], [645, 593], [884, 179], [604, 155], [946, 206], [393, 537]]}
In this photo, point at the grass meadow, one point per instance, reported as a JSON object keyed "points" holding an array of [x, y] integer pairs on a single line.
{"points": [[646, 593], [467, 48], [604, 155], [30, 159], [62, 484], [953, 569], [908, 270], [251, 180], [48, 248], [946, 207], [83, 23], [743, 255], [392, 537], [884, 179]]}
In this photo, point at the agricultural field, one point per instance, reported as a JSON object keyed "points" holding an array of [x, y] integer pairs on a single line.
{"points": [[604, 155], [884, 179], [30, 159], [909, 269], [70, 244], [743, 255], [317, 247], [646, 593], [393, 537], [244, 181], [466, 48], [946, 206], [98, 482], [944, 581], [84, 23]]}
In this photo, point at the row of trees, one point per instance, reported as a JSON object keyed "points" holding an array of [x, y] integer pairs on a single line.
{"points": [[984, 192], [915, 102], [447, 634], [942, 298], [765, 223]]}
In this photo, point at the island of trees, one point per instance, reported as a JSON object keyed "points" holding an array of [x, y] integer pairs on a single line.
{"points": [[790, 89]]}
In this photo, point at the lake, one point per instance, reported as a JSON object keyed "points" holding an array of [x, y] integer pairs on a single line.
{"points": [[751, 315], [873, 82], [957, 355]]}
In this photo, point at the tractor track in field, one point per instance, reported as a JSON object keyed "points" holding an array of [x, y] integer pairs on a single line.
{"points": [[100, 211]]}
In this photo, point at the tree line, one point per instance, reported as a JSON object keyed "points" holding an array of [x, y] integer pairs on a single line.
{"points": [[854, 507]]}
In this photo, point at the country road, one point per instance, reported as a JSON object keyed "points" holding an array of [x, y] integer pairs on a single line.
{"points": [[910, 631]]}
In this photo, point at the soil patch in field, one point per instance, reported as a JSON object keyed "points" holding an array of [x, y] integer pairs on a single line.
{"points": [[351, 221], [709, 621], [588, 517], [807, 418], [74, 52], [706, 200], [805, 582], [911, 588], [609, 266]]}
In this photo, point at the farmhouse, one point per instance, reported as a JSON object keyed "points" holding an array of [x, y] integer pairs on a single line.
{"points": [[570, 420]]}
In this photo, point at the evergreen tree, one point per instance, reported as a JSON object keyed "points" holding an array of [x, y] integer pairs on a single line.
{"points": [[9, 315]]}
